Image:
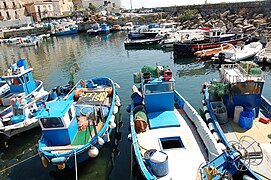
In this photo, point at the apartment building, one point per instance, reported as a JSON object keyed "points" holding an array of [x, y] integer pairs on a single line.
{"points": [[11, 10], [110, 5]]}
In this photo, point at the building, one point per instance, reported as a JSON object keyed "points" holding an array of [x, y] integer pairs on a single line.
{"points": [[112, 5], [11, 10], [49, 8]]}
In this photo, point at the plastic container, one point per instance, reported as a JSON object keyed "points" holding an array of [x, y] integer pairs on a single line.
{"points": [[159, 163], [237, 111], [220, 111], [246, 119], [251, 109]]}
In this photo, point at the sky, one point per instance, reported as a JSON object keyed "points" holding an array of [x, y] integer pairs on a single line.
{"points": [[165, 3]]}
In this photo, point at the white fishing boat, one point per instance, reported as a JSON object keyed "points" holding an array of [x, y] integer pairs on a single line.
{"points": [[264, 56], [239, 53]]}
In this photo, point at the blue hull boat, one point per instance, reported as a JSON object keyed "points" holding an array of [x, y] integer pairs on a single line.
{"points": [[239, 115], [169, 138], [21, 101], [77, 125]]}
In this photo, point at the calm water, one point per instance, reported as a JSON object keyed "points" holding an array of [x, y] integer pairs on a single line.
{"points": [[96, 56]]}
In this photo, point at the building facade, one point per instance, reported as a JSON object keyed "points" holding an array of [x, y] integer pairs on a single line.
{"points": [[111, 5], [11, 10], [39, 10]]}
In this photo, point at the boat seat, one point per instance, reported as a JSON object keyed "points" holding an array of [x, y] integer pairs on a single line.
{"points": [[163, 119]]}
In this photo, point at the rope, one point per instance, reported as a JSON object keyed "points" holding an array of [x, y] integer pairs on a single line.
{"points": [[131, 164], [19, 163], [75, 165]]}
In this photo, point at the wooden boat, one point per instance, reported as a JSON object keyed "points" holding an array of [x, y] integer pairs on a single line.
{"points": [[264, 56], [238, 114], [169, 138], [22, 99], [75, 127], [214, 38], [208, 53], [239, 53]]}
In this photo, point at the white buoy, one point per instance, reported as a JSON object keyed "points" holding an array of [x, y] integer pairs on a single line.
{"points": [[100, 141], [116, 110], [61, 166], [112, 125], [93, 152], [129, 137], [117, 101], [107, 137]]}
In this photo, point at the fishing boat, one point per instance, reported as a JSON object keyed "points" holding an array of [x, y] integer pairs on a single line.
{"points": [[22, 99], [169, 138], [76, 127], [67, 30], [208, 53], [264, 56], [104, 29], [241, 52], [141, 42], [213, 38], [115, 28], [239, 114], [4, 88]]}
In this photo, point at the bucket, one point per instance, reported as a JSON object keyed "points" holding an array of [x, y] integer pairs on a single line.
{"points": [[148, 154], [237, 110], [159, 163], [167, 75], [246, 119]]}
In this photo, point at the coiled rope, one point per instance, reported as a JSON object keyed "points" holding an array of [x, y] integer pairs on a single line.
{"points": [[16, 164]]}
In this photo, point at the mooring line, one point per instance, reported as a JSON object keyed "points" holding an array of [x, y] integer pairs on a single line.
{"points": [[19, 163]]}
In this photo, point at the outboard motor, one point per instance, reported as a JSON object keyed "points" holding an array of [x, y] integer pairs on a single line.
{"points": [[221, 57]]}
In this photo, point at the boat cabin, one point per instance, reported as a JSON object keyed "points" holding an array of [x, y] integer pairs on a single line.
{"points": [[58, 122], [217, 35]]}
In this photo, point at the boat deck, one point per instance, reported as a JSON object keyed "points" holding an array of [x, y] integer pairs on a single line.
{"points": [[185, 160], [261, 133]]}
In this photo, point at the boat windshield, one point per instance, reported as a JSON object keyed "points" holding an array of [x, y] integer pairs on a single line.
{"points": [[159, 88], [54, 122]]}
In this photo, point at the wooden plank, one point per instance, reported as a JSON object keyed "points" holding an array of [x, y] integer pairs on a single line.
{"points": [[53, 148]]}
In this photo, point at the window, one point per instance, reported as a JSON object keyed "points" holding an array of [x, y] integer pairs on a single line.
{"points": [[52, 122], [27, 78], [70, 114], [8, 16], [5, 4], [114, 5], [13, 4], [49, 7]]}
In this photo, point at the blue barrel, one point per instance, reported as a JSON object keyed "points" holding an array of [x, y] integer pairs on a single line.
{"points": [[22, 62], [246, 119], [137, 98], [159, 163]]}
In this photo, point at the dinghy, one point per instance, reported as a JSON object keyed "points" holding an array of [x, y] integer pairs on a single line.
{"points": [[76, 126], [169, 138], [236, 110]]}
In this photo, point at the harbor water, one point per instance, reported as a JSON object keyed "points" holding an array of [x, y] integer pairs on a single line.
{"points": [[96, 56]]}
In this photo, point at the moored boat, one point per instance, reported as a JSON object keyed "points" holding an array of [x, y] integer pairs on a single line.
{"points": [[67, 30], [22, 100], [241, 52], [238, 113], [208, 53], [214, 38], [141, 42], [169, 138], [76, 127], [264, 56]]}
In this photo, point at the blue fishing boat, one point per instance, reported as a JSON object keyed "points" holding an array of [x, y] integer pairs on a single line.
{"points": [[239, 115], [77, 126], [104, 29], [169, 138], [67, 30], [21, 100]]}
